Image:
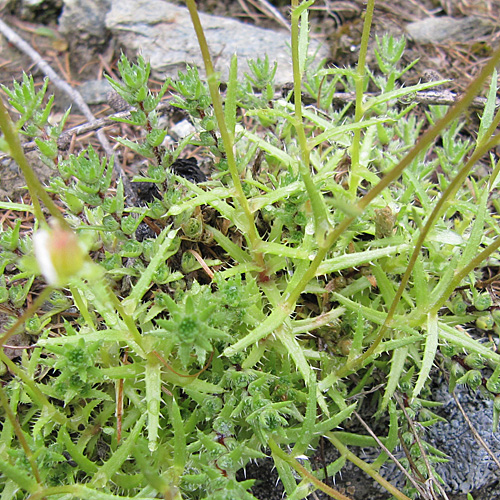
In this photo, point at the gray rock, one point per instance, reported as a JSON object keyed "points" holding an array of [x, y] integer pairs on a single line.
{"points": [[95, 91], [182, 129], [448, 29], [92, 91], [470, 467], [164, 35], [83, 20]]}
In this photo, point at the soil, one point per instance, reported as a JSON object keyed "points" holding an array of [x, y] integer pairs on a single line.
{"points": [[336, 23]]}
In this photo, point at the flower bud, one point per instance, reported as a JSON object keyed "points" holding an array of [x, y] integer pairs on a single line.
{"points": [[474, 361], [485, 322], [483, 301], [33, 325], [58, 254], [493, 385], [458, 305], [474, 379]]}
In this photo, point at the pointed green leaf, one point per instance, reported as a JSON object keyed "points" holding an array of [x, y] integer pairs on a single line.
{"points": [[431, 345]]}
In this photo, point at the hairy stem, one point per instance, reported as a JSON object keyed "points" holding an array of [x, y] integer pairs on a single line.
{"points": [[344, 451], [227, 138], [359, 80]]}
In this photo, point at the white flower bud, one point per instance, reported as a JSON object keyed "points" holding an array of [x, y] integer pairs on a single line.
{"points": [[58, 254]]}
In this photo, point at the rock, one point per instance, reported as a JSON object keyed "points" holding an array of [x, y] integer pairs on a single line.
{"points": [[85, 19], [95, 91], [164, 35], [182, 129], [92, 92], [470, 467], [82, 23], [448, 29]]}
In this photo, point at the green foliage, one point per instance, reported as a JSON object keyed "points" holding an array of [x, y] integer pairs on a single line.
{"points": [[189, 325], [192, 95], [34, 116], [257, 311]]}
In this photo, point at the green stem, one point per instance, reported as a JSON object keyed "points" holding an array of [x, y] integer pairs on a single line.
{"points": [[132, 328], [322, 225], [83, 492], [227, 138], [359, 80], [293, 291], [424, 141], [20, 434], [276, 450], [302, 278], [72, 489], [292, 294], [344, 451], [82, 307], [35, 188], [37, 395]]}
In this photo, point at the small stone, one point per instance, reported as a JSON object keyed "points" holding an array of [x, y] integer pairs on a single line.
{"points": [[92, 92], [182, 129], [82, 24], [95, 91], [447, 29]]}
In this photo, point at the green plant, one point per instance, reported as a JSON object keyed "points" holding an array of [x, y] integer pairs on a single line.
{"points": [[198, 348]]}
